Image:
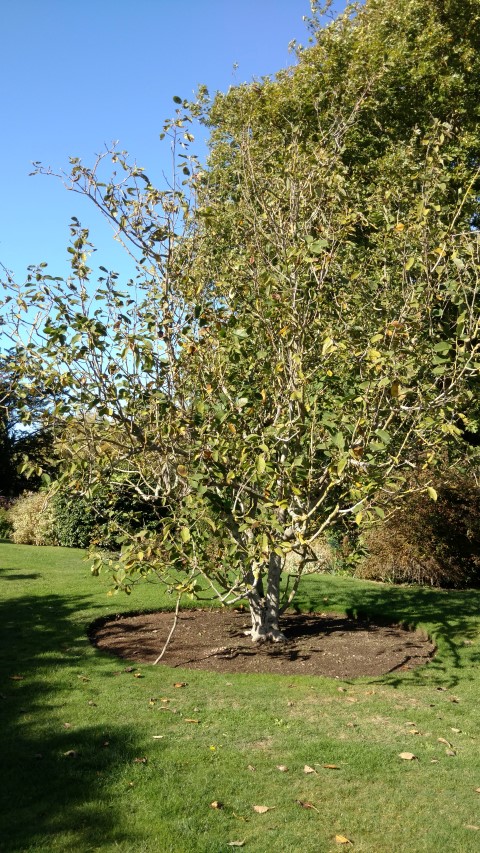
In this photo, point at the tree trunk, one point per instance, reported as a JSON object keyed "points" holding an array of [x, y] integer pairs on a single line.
{"points": [[264, 610]]}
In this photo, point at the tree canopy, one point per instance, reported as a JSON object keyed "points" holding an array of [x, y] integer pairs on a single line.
{"points": [[303, 331]]}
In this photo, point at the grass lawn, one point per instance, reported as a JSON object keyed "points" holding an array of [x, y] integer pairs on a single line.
{"points": [[96, 758]]}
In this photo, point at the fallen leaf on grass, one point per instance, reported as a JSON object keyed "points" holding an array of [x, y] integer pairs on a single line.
{"points": [[67, 725], [471, 826], [342, 839], [308, 769], [407, 756], [236, 843], [140, 760], [157, 737], [251, 768], [180, 684], [450, 752], [129, 669], [71, 753], [16, 677], [92, 704], [262, 809], [331, 766], [306, 805], [446, 742], [477, 790], [457, 731], [83, 678], [190, 720], [216, 805], [138, 675], [282, 767]]}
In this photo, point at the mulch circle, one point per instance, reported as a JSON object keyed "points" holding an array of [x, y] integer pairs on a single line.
{"points": [[317, 643]]}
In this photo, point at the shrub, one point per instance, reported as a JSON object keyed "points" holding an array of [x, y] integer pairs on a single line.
{"points": [[31, 518], [5, 525], [427, 542], [80, 521], [73, 520]]}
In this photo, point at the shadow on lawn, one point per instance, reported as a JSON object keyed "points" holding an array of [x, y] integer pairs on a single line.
{"points": [[450, 617], [53, 778]]}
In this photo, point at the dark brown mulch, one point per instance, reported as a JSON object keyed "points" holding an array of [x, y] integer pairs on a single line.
{"points": [[317, 644]]}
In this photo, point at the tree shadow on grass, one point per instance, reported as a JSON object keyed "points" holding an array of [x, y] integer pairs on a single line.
{"points": [[450, 617], [54, 779]]}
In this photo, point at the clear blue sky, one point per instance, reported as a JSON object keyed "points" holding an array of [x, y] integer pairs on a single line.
{"points": [[77, 75]]}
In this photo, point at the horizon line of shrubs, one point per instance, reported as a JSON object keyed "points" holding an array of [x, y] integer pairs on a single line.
{"points": [[424, 542]]}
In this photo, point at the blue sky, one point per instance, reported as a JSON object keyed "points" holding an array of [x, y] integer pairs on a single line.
{"points": [[75, 76]]}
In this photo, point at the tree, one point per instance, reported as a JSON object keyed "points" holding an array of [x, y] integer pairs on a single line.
{"points": [[303, 331], [22, 433]]}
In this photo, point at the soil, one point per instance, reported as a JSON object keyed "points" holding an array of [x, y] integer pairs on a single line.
{"points": [[317, 643]]}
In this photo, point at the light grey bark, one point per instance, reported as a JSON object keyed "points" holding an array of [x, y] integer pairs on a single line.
{"points": [[264, 611]]}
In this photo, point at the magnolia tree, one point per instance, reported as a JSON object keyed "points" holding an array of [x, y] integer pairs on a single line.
{"points": [[302, 334]]}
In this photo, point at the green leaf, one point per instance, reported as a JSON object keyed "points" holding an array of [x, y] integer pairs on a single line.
{"points": [[185, 534], [318, 246], [339, 441]]}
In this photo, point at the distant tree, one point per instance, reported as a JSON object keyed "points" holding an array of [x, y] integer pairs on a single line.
{"points": [[25, 441], [304, 327]]}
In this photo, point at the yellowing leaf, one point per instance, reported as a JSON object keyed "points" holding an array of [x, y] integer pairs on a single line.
{"points": [[182, 471], [216, 805], [410, 263], [261, 464], [306, 805], [432, 493], [327, 346], [308, 769], [342, 839], [185, 534], [399, 226]]}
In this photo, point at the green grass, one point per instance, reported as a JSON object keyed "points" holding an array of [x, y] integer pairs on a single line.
{"points": [[71, 697]]}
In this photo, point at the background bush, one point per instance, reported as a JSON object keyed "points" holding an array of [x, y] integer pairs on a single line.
{"points": [[101, 519], [74, 520], [5, 525], [427, 542], [31, 518]]}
